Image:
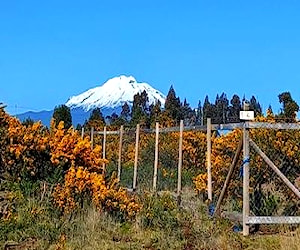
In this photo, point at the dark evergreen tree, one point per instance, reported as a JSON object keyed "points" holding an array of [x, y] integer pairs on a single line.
{"points": [[188, 114], [115, 120], [207, 109], [62, 113], [140, 110], [97, 115], [155, 112], [290, 107], [173, 106], [95, 120], [255, 106], [125, 113], [234, 109], [220, 109]]}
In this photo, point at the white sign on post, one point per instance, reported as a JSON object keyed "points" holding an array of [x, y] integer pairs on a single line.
{"points": [[247, 115]]}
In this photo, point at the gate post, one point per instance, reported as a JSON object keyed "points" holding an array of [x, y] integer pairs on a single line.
{"points": [[246, 160]]}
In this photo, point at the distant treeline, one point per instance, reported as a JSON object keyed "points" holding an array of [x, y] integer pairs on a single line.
{"points": [[221, 111]]}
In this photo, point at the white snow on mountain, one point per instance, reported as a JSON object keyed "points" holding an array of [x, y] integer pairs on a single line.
{"points": [[114, 93]]}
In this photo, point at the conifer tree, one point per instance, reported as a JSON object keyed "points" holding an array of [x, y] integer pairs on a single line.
{"points": [[125, 113], [96, 120], [63, 113], [188, 114], [234, 109], [255, 106], [207, 109], [140, 110], [290, 107], [220, 109], [155, 112], [173, 106]]}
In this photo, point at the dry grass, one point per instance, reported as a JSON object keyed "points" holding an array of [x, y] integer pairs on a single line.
{"points": [[188, 227]]}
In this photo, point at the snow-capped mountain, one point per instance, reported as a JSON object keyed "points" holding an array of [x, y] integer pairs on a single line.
{"points": [[113, 94], [109, 97]]}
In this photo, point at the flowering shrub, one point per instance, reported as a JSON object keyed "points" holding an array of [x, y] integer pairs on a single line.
{"points": [[81, 184], [68, 148]]}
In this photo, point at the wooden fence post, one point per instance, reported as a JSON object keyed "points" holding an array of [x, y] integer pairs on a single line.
{"points": [[104, 147], [120, 152], [92, 137], [180, 162], [82, 132], [136, 154], [208, 159], [246, 205], [156, 157]]}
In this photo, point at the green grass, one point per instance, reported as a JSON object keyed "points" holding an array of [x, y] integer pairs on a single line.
{"points": [[160, 225]]}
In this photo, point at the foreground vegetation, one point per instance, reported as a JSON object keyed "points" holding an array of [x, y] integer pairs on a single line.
{"points": [[55, 193], [161, 224]]}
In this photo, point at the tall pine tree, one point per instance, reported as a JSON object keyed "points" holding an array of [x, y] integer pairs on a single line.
{"points": [[207, 109], [173, 106]]}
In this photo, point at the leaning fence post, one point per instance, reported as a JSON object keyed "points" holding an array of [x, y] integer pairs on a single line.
{"points": [[136, 154], [180, 162], [92, 137], [156, 157], [208, 159], [120, 153], [229, 175], [246, 154], [103, 147]]}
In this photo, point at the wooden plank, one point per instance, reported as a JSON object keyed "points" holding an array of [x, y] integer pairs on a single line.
{"points": [[208, 159], [180, 159], [275, 169], [229, 126], [228, 177], [246, 173], [266, 125], [273, 220], [136, 154], [156, 158], [120, 152], [108, 132]]}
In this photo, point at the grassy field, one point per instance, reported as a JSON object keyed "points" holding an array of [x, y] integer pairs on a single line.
{"points": [[36, 224]]}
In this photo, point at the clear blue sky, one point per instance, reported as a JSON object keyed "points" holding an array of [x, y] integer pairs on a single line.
{"points": [[50, 50]]}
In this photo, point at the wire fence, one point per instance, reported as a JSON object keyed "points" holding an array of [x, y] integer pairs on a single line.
{"points": [[248, 171], [275, 173]]}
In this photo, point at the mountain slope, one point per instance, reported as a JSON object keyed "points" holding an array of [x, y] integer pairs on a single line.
{"points": [[109, 97], [114, 93]]}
